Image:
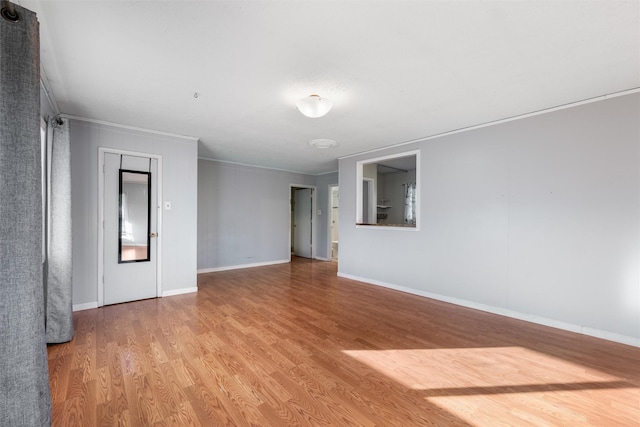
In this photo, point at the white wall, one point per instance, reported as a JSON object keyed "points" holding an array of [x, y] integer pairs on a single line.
{"points": [[179, 161], [537, 218], [243, 214], [46, 109]]}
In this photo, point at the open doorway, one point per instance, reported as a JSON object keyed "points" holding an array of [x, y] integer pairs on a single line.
{"points": [[302, 225], [368, 201], [334, 203]]}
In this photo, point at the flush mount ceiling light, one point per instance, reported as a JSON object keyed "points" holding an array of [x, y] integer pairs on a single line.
{"points": [[314, 106], [323, 143]]}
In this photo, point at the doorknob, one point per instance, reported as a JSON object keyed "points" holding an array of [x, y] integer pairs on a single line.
{"points": [[153, 235]]}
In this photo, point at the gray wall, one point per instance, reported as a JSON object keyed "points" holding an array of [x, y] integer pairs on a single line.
{"points": [[179, 161], [243, 214], [537, 218]]}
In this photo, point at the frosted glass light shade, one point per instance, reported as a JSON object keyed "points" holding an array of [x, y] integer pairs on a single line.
{"points": [[323, 143], [314, 106]]}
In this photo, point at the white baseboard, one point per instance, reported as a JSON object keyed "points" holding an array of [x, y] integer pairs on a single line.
{"points": [[90, 305], [237, 267], [85, 306], [179, 291], [609, 336], [319, 258]]}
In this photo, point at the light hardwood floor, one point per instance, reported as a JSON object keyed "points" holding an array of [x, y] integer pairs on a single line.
{"points": [[293, 344]]}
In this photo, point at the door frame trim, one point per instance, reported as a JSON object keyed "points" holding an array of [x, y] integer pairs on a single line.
{"points": [[314, 192], [329, 215], [101, 153]]}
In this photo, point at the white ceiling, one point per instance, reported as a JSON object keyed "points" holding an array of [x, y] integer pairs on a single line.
{"points": [[396, 70]]}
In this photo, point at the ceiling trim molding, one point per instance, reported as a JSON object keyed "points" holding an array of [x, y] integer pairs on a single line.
{"points": [[253, 166], [500, 121], [134, 128], [327, 173]]}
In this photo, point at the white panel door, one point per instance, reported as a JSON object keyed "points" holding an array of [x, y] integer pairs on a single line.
{"points": [[130, 258], [302, 222]]}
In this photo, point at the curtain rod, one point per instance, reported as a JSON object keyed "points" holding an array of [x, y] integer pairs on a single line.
{"points": [[8, 12], [56, 121]]}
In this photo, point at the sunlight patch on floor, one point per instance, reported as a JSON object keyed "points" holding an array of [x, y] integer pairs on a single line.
{"points": [[478, 384], [429, 369]]}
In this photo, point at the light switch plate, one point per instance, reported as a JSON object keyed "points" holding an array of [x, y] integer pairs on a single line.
{"points": [[167, 206]]}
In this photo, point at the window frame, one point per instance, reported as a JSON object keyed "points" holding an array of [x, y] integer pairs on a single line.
{"points": [[359, 189], [43, 183]]}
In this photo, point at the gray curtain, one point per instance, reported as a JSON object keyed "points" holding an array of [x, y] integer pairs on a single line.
{"points": [[57, 278], [24, 380]]}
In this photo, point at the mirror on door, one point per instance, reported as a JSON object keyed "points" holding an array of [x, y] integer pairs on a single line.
{"points": [[134, 216]]}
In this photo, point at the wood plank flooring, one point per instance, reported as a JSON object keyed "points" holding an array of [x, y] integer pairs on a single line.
{"points": [[293, 344]]}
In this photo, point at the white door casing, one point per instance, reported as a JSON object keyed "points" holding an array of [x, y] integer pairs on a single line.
{"points": [[333, 225]]}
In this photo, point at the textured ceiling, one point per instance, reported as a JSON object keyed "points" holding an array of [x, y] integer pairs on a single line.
{"points": [[396, 70]]}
